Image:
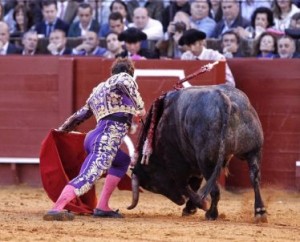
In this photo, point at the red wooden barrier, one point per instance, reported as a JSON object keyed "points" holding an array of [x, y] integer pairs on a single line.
{"points": [[273, 86], [35, 95]]}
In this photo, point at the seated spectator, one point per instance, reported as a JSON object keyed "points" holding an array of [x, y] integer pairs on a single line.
{"points": [[66, 10], [30, 43], [155, 8], [287, 48], [133, 38], [85, 22], [57, 43], [195, 40], [6, 48], [230, 42], [200, 17], [294, 28], [115, 24], [170, 11], [283, 12], [22, 21], [50, 22], [261, 20], [151, 27], [231, 18], [266, 46], [89, 46], [113, 45], [295, 21]]}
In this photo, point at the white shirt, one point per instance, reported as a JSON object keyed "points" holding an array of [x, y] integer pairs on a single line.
{"points": [[84, 30], [153, 29], [284, 23], [3, 51], [210, 54]]}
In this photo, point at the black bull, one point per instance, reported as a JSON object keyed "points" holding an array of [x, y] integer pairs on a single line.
{"points": [[198, 131]]}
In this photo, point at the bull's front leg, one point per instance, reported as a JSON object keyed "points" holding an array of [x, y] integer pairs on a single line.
{"points": [[259, 207], [213, 213]]}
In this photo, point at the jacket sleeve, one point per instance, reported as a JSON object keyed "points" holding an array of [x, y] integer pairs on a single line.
{"points": [[129, 87], [77, 118]]}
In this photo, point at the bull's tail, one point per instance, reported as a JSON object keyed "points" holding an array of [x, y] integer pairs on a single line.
{"points": [[221, 157]]}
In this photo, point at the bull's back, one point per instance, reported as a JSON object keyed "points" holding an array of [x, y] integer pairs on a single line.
{"points": [[199, 114]]}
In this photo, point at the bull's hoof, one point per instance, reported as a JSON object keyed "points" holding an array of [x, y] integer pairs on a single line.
{"points": [[260, 215], [188, 212], [261, 218], [212, 214]]}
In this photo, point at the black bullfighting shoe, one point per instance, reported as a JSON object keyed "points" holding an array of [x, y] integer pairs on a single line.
{"points": [[53, 215], [107, 214]]}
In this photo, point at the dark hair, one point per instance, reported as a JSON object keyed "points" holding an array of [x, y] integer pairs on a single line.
{"points": [[128, 17], [256, 49], [115, 16], [122, 65], [85, 6], [296, 16], [27, 17], [46, 3], [265, 10], [231, 32]]}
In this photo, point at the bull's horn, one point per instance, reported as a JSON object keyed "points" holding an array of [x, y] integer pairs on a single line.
{"points": [[135, 191]]}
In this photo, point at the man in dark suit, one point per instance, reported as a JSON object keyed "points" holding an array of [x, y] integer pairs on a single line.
{"points": [[50, 21], [57, 43], [30, 42], [232, 18], [89, 46], [85, 23], [133, 38], [5, 47]]}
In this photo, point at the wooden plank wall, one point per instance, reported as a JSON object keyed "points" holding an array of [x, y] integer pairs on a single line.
{"points": [[273, 86], [35, 96]]}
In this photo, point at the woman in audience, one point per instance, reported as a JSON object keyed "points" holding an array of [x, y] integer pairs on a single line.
{"points": [[283, 12], [22, 21], [266, 46], [121, 7], [261, 20]]}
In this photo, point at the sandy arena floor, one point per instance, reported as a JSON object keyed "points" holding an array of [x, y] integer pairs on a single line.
{"points": [[154, 219]]}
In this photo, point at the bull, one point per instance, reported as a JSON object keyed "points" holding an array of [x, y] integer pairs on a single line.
{"points": [[198, 130]]}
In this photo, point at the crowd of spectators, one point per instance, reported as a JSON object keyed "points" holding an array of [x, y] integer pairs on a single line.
{"points": [[150, 29]]}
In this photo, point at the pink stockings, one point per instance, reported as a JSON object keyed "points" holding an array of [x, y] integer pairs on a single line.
{"points": [[110, 184], [65, 197]]}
